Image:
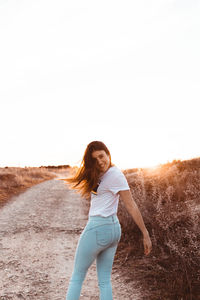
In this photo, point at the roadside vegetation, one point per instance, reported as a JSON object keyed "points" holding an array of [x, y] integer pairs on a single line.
{"points": [[169, 200], [14, 180]]}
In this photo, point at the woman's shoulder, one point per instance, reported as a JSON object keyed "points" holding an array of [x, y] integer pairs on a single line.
{"points": [[114, 170], [115, 177]]}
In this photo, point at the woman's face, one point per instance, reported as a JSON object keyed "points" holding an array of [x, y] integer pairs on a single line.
{"points": [[103, 160]]}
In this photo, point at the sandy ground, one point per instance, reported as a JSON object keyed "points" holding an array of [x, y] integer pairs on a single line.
{"points": [[39, 231]]}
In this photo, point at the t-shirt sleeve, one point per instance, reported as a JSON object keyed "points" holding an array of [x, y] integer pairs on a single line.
{"points": [[118, 182]]}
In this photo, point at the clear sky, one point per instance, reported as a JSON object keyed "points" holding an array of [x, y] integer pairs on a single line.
{"points": [[123, 72]]}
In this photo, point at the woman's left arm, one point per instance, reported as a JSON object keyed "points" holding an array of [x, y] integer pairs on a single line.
{"points": [[134, 211]]}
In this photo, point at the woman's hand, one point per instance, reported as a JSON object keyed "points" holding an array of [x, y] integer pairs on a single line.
{"points": [[147, 244]]}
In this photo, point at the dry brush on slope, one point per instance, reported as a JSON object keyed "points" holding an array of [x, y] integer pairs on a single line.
{"points": [[14, 180], [169, 200]]}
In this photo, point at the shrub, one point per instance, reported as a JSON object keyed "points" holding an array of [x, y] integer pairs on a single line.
{"points": [[168, 199]]}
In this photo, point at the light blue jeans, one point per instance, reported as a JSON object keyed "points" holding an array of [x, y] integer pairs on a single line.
{"points": [[98, 240]]}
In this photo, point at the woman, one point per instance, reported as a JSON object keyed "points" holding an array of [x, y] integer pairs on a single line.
{"points": [[99, 179]]}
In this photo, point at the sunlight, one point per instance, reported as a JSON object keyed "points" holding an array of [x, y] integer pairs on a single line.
{"points": [[150, 148]]}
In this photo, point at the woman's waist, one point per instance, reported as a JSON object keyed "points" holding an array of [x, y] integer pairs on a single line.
{"points": [[97, 220], [103, 219]]}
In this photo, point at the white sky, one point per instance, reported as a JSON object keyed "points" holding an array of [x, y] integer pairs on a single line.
{"points": [[123, 72]]}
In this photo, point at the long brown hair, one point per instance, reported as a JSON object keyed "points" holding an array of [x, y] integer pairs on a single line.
{"points": [[87, 176]]}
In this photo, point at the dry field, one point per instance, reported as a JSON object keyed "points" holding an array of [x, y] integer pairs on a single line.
{"points": [[169, 200], [14, 180]]}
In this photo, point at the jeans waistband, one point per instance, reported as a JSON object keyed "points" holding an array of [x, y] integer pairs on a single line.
{"points": [[112, 218]]}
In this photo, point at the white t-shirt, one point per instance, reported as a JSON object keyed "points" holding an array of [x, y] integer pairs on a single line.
{"points": [[105, 202]]}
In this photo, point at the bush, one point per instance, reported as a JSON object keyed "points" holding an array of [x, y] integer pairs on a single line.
{"points": [[168, 199]]}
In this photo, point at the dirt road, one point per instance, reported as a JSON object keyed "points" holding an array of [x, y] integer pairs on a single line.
{"points": [[39, 231]]}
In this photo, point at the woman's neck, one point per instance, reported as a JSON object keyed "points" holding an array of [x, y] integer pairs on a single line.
{"points": [[102, 173]]}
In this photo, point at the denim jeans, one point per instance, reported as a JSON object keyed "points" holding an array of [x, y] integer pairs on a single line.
{"points": [[98, 241]]}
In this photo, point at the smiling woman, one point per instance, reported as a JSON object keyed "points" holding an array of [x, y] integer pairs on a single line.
{"points": [[95, 163], [103, 160], [105, 183]]}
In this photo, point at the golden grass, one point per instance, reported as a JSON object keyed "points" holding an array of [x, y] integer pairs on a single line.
{"points": [[14, 180], [169, 200]]}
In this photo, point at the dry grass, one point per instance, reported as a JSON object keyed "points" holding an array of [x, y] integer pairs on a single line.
{"points": [[14, 180], [169, 200]]}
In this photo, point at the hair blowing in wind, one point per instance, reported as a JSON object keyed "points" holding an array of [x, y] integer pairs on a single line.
{"points": [[87, 176]]}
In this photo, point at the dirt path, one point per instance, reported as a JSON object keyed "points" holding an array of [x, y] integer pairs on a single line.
{"points": [[39, 231]]}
